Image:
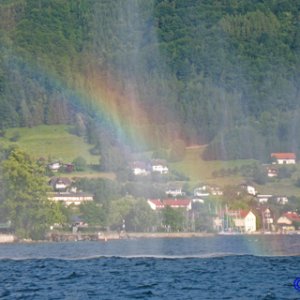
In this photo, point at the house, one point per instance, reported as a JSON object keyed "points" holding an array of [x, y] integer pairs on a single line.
{"points": [[216, 191], [272, 172], [289, 221], [207, 190], [202, 191], [60, 184], [159, 166], [263, 198], [54, 166], [156, 204], [250, 189], [282, 200], [174, 190], [69, 168], [178, 203], [68, 198], [245, 221], [235, 221], [284, 158], [140, 168]]}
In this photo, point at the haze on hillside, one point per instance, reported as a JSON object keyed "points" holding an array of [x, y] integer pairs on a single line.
{"points": [[205, 73]]}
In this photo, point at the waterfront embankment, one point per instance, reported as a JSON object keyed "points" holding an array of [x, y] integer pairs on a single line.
{"points": [[112, 235], [7, 238]]}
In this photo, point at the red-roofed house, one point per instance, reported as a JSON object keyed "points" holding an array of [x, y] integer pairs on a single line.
{"points": [[155, 204], [284, 158], [245, 220], [289, 221], [173, 203], [178, 203]]}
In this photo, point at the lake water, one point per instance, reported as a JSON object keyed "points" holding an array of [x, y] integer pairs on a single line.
{"points": [[222, 267]]}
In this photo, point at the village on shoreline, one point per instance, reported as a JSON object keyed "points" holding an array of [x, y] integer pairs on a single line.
{"points": [[178, 215]]}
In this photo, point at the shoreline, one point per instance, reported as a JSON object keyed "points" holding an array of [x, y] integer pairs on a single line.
{"points": [[57, 237], [106, 236], [157, 235]]}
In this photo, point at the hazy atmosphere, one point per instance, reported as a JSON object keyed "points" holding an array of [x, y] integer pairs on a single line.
{"points": [[163, 135]]}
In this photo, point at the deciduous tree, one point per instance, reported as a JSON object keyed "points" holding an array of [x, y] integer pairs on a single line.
{"points": [[25, 196]]}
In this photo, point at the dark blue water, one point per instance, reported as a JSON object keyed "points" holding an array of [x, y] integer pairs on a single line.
{"points": [[233, 267]]}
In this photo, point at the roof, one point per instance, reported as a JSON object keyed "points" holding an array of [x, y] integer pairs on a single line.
{"points": [[157, 203], [281, 155], [293, 216], [242, 214], [177, 202], [60, 180]]}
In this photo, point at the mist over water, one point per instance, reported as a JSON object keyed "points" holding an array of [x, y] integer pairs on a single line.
{"points": [[200, 268], [217, 246]]}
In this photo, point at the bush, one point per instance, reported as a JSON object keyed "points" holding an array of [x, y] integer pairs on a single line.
{"points": [[79, 164]]}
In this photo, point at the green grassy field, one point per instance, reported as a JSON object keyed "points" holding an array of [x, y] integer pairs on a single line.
{"points": [[200, 171], [50, 141]]}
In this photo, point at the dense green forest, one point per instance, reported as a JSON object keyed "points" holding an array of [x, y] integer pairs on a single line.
{"points": [[222, 73]]}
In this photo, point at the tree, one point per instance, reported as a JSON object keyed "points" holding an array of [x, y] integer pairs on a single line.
{"points": [[93, 213], [25, 196], [173, 218], [79, 163], [112, 159], [141, 217]]}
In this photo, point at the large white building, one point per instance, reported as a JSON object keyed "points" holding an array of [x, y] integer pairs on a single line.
{"points": [[284, 158], [68, 198]]}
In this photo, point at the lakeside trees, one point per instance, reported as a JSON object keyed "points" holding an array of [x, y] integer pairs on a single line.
{"points": [[24, 199]]}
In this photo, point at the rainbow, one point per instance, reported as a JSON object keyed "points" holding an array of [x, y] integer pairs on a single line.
{"points": [[100, 95], [122, 110]]}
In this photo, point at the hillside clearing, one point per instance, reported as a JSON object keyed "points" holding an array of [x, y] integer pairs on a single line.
{"points": [[53, 142]]}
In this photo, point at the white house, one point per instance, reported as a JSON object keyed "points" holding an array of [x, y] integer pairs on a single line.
{"points": [[250, 189], [272, 172], [68, 198], [54, 166], [202, 191], [263, 198], [174, 190], [207, 190], [139, 168], [282, 200], [245, 221], [159, 166], [284, 158]]}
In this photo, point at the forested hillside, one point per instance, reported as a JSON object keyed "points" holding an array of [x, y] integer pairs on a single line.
{"points": [[222, 73]]}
